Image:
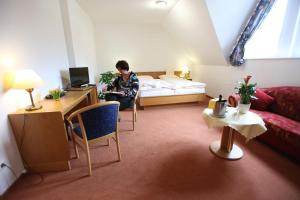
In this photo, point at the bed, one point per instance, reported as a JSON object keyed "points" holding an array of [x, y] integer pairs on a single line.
{"points": [[157, 88]]}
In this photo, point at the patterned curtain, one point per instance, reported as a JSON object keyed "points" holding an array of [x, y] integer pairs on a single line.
{"points": [[262, 9]]}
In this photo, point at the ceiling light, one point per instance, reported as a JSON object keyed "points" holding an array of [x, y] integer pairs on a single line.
{"points": [[161, 3]]}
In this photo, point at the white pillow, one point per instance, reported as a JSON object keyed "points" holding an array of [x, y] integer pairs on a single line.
{"points": [[145, 82], [145, 77], [183, 83], [163, 77], [155, 83]]}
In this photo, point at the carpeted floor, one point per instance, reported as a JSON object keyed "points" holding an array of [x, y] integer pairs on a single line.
{"points": [[167, 157]]}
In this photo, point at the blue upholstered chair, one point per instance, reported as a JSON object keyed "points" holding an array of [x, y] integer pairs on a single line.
{"points": [[97, 122]]}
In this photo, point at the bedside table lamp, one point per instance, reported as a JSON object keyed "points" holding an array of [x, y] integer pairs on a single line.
{"points": [[27, 79], [185, 72]]}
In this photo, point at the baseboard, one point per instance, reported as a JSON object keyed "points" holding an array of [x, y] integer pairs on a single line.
{"points": [[13, 183]]}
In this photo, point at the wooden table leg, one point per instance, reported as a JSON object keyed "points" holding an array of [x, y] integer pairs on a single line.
{"points": [[227, 139], [225, 148]]}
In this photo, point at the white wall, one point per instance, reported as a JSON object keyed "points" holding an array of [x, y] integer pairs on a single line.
{"points": [[83, 39], [228, 25], [266, 73], [229, 19], [32, 36], [222, 79], [147, 47], [290, 31], [189, 23]]}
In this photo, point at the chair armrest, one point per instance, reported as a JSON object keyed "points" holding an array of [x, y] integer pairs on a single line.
{"points": [[69, 119], [233, 100], [136, 96]]}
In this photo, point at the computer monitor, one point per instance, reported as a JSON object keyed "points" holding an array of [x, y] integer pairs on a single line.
{"points": [[79, 76]]}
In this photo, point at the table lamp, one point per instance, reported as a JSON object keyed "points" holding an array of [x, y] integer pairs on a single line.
{"points": [[27, 79], [185, 72]]}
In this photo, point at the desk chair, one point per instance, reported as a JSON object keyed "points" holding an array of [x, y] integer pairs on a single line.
{"points": [[97, 122], [133, 109]]}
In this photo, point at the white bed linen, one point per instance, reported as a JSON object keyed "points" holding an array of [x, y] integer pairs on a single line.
{"points": [[146, 77], [195, 90], [183, 83], [154, 92], [155, 83], [165, 76], [169, 87], [178, 82]]}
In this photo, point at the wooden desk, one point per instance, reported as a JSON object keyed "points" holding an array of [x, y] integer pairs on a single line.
{"points": [[41, 135]]}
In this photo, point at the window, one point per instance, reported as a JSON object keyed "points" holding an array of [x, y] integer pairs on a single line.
{"points": [[279, 34]]}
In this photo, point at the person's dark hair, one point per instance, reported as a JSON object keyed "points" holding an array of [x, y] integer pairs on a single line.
{"points": [[122, 64]]}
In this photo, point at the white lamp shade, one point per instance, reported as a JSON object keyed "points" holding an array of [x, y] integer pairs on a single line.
{"points": [[26, 79], [185, 69]]}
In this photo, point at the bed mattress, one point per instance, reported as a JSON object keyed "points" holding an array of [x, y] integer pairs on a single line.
{"points": [[169, 87]]}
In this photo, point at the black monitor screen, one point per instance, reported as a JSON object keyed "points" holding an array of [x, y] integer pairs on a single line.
{"points": [[79, 76]]}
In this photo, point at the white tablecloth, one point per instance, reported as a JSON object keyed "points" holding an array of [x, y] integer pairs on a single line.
{"points": [[249, 125]]}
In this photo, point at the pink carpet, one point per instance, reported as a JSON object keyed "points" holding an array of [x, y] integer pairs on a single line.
{"points": [[168, 157]]}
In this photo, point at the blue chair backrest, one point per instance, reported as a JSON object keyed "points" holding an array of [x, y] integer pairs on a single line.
{"points": [[100, 121]]}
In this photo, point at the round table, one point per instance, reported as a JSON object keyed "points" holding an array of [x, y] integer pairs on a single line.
{"points": [[249, 125]]}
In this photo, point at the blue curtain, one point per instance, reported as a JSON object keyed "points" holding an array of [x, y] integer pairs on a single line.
{"points": [[262, 9]]}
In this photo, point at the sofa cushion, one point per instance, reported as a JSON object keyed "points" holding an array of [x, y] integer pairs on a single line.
{"points": [[263, 100], [282, 127], [286, 101]]}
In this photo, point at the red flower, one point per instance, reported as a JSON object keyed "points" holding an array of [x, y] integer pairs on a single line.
{"points": [[247, 78]]}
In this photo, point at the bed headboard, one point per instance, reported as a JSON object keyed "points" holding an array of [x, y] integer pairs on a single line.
{"points": [[153, 74], [177, 73]]}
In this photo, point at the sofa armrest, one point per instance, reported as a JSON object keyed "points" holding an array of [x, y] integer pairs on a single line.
{"points": [[233, 100]]}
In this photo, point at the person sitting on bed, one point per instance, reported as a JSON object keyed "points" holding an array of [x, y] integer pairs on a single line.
{"points": [[127, 84]]}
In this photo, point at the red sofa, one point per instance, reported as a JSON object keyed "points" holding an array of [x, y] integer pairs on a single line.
{"points": [[282, 119]]}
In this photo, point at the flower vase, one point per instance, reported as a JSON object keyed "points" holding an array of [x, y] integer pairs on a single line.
{"points": [[56, 97], [55, 93], [244, 108]]}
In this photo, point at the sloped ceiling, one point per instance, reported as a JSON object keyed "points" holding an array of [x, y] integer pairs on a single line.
{"points": [[137, 11], [187, 21], [229, 19]]}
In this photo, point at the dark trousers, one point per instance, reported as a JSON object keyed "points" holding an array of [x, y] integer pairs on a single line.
{"points": [[125, 102]]}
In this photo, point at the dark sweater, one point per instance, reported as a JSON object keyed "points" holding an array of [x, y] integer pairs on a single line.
{"points": [[129, 87]]}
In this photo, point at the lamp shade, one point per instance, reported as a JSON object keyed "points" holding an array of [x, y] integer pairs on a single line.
{"points": [[185, 69], [25, 79]]}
